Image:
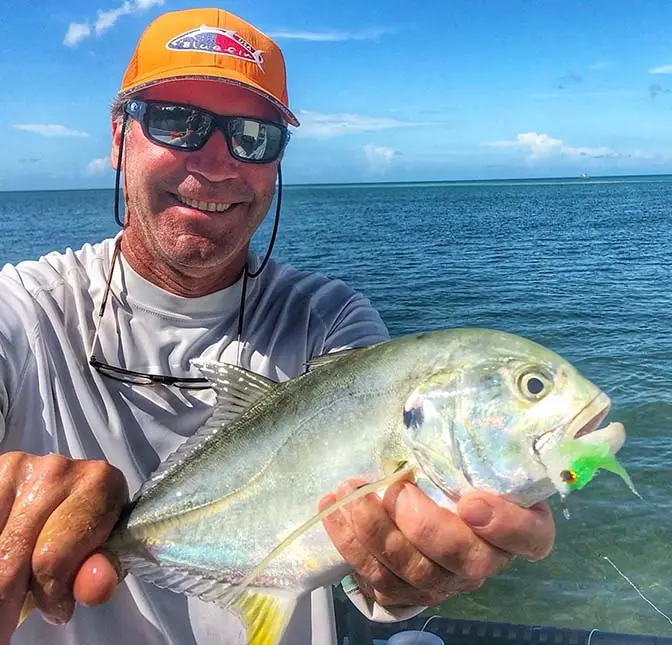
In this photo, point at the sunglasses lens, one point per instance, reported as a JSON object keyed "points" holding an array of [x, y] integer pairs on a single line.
{"points": [[188, 128], [177, 126], [253, 140]]}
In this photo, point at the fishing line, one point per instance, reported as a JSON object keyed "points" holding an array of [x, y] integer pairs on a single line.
{"points": [[565, 512], [632, 584], [424, 627]]}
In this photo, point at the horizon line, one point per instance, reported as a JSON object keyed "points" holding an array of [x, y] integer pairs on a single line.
{"points": [[570, 178]]}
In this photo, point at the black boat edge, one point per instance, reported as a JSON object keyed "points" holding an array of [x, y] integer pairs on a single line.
{"points": [[353, 628]]}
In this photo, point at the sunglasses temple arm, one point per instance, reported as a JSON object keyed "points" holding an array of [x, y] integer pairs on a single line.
{"points": [[117, 179]]}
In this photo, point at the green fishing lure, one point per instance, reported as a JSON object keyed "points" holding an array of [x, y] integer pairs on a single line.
{"points": [[574, 463]]}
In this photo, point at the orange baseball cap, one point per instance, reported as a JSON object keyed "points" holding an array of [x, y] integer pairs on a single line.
{"points": [[209, 44]]}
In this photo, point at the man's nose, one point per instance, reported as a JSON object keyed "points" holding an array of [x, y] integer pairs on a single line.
{"points": [[214, 161]]}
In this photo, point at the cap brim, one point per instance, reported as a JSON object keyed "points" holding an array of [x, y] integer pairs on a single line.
{"points": [[206, 73]]}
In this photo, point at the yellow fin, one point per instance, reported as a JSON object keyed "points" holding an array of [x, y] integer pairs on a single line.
{"points": [[265, 615], [28, 606]]}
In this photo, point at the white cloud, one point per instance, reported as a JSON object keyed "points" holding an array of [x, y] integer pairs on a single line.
{"points": [[324, 126], [50, 130], [379, 157], [98, 166], [147, 4], [106, 19], [541, 146], [331, 36], [662, 69], [77, 31], [599, 65]]}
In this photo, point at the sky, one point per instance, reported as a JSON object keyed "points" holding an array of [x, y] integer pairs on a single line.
{"points": [[394, 90]]}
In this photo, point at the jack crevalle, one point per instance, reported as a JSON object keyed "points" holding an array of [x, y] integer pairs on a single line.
{"points": [[232, 516]]}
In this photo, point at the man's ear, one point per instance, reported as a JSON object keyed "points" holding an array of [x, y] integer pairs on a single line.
{"points": [[116, 141]]}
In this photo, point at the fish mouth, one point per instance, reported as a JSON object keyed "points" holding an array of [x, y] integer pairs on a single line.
{"points": [[585, 426], [589, 418]]}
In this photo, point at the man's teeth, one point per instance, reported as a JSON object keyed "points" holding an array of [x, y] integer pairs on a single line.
{"points": [[212, 207]]}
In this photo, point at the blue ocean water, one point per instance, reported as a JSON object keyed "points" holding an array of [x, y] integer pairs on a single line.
{"points": [[581, 266]]}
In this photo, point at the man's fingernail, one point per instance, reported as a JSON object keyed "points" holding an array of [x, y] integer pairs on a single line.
{"points": [[407, 499], [476, 513]]}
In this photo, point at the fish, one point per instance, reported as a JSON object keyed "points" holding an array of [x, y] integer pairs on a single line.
{"points": [[234, 516]]}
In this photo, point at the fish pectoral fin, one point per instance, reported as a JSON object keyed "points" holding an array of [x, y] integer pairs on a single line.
{"points": [[28, 606], [403, 472], [265, 614]]}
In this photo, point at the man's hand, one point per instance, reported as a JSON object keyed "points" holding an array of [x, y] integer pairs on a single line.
{"points": [[54, 514], [408, 551]]}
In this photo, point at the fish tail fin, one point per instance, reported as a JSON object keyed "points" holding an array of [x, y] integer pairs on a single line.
{"points": [[28, 606], [265, 614]]}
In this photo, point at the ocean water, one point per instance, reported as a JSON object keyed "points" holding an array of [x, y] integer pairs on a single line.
{"points": [[581, 266]]}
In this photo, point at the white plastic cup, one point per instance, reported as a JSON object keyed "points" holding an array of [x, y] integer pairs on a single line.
{"points": [[414, 637]]}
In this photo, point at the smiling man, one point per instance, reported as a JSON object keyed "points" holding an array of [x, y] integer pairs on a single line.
{"points": [[96, 385]]}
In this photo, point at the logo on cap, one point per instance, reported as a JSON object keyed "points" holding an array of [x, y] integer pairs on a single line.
{"points": [[224, 42]]}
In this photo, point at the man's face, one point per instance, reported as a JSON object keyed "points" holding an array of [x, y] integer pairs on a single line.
{"points": [[163, 189]]}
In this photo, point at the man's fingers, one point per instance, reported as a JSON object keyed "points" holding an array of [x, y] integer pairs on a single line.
{"points": [[409, 550], [442, 536], [96, 580], [375, 580], [30, 507], [389, 567], [387, 542], [527, 532], [343, 535], [79, 525]]}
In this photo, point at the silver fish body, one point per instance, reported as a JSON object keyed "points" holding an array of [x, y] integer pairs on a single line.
{"points": [[232, 515]]}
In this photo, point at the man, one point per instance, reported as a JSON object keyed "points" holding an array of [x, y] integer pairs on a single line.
{"points": [[96, 386]]}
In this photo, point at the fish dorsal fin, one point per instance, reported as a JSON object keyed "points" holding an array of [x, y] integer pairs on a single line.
{"points": [[237, 390], [265, 615], [326, 359]]}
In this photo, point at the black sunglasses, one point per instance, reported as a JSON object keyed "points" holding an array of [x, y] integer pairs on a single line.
{"points": [[130, 376], [188, 128]]}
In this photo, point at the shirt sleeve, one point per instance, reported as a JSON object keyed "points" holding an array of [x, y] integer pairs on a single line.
{"points": [[358, 324], [372, 610], [18, 323]]}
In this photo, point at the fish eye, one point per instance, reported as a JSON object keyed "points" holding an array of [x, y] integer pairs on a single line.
{"points": [[568, 476], [532, 385]]}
